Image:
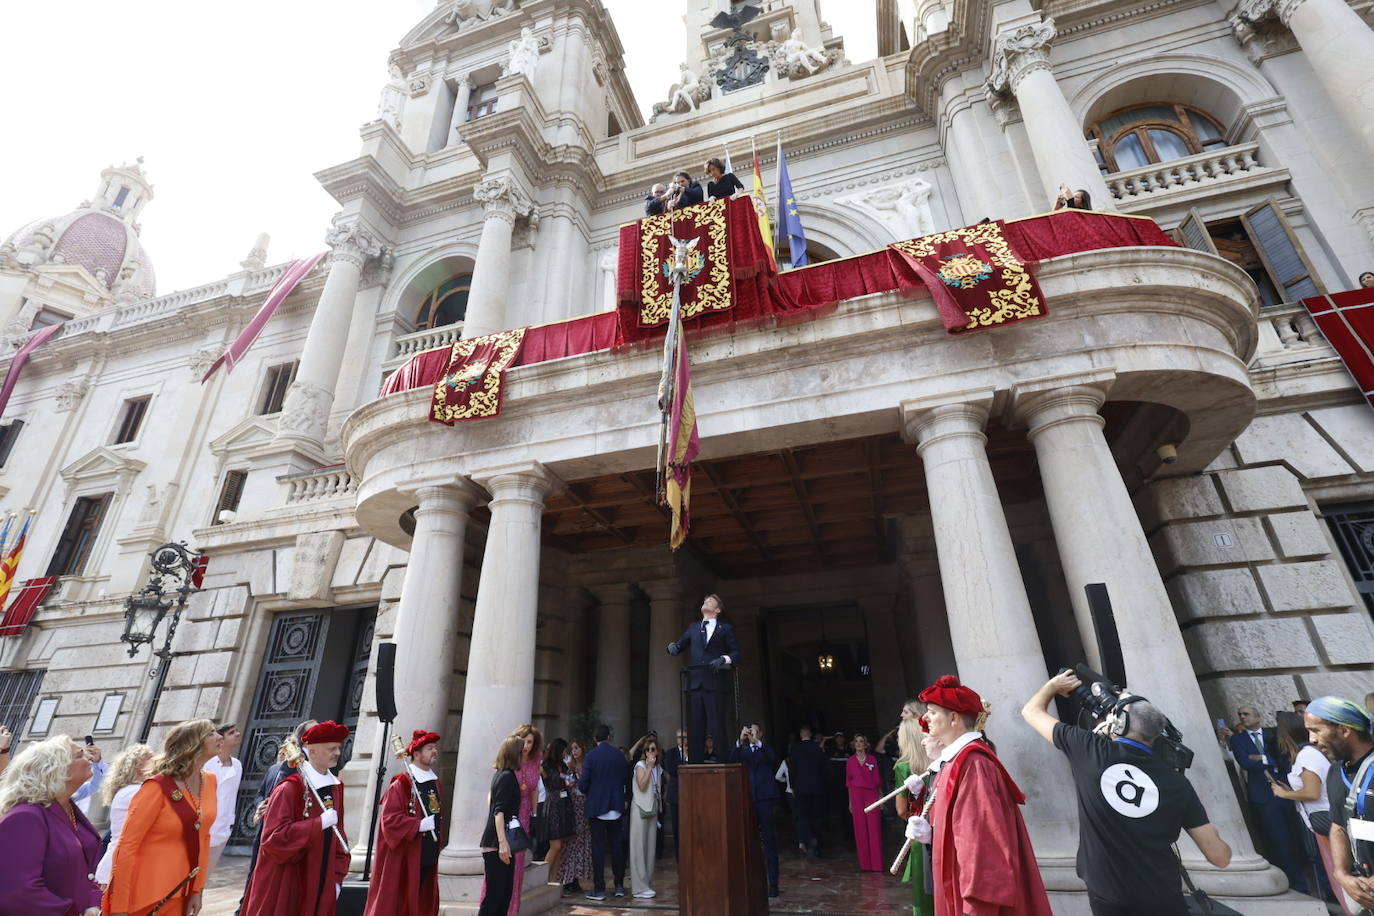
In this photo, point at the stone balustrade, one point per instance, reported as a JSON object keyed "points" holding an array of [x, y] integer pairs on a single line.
{"points": [[320, 484], [1293, 324], [407, 345], [1212, 166]]}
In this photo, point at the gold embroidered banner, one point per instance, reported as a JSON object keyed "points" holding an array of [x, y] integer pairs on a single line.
{"points": [[708, 285], [470, 388], [975, 277]]}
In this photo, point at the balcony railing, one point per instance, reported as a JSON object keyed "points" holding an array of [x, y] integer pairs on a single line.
{"points": [[319, 485], [407, 345], [1205, 168]]}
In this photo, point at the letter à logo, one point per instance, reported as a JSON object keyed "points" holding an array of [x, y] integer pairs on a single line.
{"points": [[1129, 791]]}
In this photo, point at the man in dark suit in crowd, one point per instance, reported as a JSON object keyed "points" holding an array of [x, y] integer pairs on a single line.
{"points": [[674, 758], [1257, 754], [709, 683], [762, 765], [806, 767], [656, 201], [687, 193], [605, 780]]}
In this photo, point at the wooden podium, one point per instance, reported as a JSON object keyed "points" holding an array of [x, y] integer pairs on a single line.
{"points": [[720, 865]]}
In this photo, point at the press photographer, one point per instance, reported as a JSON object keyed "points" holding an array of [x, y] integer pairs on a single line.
{"points": [[1133, 798]]}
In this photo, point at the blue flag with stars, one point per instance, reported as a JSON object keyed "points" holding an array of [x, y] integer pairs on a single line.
{"points": [[789, 220]]}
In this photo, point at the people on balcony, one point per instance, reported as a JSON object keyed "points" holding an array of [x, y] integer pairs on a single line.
{"points": [[1073, 200], [722, 183]]}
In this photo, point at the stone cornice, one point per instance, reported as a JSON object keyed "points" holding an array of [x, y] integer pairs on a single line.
{"points": [[962, 46]]}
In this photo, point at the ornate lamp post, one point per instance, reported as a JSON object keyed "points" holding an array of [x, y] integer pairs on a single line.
{"points": [[169, 586]]}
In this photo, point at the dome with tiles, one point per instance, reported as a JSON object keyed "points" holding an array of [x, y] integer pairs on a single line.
{"points": [[101, 235]]}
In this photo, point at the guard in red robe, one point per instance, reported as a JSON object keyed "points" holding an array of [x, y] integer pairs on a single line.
{"points": [[303, 855], [406, 880], [982, 860]]}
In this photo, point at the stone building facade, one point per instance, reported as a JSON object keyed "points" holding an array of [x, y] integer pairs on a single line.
{"points": [[870, 486]]}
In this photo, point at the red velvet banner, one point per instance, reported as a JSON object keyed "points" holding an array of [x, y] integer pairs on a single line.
{"points": [[24, 604], [975, 277], [470, 388], [1347, 320]]}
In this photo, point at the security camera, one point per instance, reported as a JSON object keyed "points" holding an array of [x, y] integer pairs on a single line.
{"points": [[1167, 453]]}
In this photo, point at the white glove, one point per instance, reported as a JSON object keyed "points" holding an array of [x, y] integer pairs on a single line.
{"points": [[427, 824], [918, 829], [913, 783], [328, 818], [338, 889]]}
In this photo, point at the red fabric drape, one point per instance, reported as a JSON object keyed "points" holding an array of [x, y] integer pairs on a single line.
{"points": [[848, 278], [24, 603], [1347, 320], [568, 338], [1066, 231]]}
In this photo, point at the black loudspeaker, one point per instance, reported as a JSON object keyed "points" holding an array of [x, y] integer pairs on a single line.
{"points": [[353, 898], [1108, 641], [386, 682]]}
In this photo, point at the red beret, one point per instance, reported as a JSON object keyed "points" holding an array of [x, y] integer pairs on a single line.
{"points": [[325, 733], [418, 739], [948, 693]]}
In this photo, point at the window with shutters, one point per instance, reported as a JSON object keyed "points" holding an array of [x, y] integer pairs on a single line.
{"points": [[446, 304], [131, 419], [1158, 132], [481, 101], [1261, 243], [18, 690], [229, 495], [78, 537], [279, 379], [8, 433]]}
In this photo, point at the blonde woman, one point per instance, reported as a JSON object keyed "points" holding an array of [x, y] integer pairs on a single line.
{"points": [[127, 773], [165, 845], [50, 848], [913, 759]]}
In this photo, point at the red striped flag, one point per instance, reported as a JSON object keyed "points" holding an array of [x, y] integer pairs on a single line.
{"points": [[683, 446]]}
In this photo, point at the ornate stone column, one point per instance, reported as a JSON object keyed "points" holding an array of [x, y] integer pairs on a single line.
{"points": [[613, 658], [1100, 540], [1335, 40], [503, 202], [464, 88], [499, 694], [990, 621], [305, 411], [426, 630], [665, 618], [1021, 65]]}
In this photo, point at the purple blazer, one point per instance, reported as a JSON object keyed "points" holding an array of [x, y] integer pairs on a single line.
{"points": [[49, 869]]}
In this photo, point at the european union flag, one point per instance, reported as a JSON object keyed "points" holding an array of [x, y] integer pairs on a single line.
{"points": [[789, 220]]}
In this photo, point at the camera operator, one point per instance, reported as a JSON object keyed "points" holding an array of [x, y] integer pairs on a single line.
{"points": [[1342, 731], [1131, 806]]}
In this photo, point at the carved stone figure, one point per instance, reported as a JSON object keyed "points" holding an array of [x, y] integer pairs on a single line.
{"points": [[524, 53], [684, 95], [793, 58], [902, 206], [466, 12], [393, 100]]}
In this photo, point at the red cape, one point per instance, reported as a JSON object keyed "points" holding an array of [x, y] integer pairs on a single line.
{"points": [[396, 889], [291, 855], [983, 861]]}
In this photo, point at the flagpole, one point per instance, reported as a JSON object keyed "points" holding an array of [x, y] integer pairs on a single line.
{"points": [[5, 533], [668, 381]]}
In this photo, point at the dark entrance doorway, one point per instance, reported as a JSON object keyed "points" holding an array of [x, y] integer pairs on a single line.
{"points": [[314, 668]]}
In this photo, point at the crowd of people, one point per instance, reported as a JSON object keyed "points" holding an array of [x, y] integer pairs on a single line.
{"points": [[684, 191]]}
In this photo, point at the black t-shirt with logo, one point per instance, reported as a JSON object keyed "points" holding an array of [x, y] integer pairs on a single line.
{"points": [[1336, 793], [1131, 808]]}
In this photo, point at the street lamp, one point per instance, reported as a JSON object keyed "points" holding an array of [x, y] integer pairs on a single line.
{"points": [[169, 586]]}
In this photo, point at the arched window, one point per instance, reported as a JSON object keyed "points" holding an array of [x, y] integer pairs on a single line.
{"points": [[447, 304], [1145, 134]]}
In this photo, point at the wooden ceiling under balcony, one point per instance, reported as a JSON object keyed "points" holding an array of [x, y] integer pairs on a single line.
{"points": [[820, 506]]}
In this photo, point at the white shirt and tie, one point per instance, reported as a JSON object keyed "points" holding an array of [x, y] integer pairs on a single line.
{"points": [[1257, 736], [708, 629]]}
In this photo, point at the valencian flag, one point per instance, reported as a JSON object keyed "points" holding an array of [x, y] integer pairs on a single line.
{"points": [[683, 444], [789, 220], [761, 207], [9, 566]]}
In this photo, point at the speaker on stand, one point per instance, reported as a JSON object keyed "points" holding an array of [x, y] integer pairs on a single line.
{"points": [[353, 898]]}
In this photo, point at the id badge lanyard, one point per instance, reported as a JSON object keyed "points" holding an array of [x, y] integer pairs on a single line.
{"points": [[1355, 804]]}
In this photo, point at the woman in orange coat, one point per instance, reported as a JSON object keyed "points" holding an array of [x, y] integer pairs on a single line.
{"points": [[164, 848]]}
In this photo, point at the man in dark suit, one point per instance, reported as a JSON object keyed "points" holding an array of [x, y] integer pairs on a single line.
{"points": [[674, 758], [1257, 754], [605, 779], [656, 201], [806, 768], [688, 192], [709, 683], [762, 766]]}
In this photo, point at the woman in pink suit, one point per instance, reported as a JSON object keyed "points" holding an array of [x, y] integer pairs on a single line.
{"points": [[865, 782]]}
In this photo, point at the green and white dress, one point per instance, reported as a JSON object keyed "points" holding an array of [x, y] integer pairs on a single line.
{"points": [[922, 904]]}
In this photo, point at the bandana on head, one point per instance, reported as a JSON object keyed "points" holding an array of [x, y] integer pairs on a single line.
{"points": [[1340, 712], [418, 739], [948, 693], [326, 733]]}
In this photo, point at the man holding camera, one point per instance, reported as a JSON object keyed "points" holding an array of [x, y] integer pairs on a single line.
{"points": [[761, 763], [1131, 807], [1344, 732]]}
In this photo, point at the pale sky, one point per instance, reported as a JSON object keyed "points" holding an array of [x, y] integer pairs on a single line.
{"points": [[235, 106]]}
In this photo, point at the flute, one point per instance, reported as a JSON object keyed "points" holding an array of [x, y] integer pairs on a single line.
{"points": [[296, 757], [399, 750]]}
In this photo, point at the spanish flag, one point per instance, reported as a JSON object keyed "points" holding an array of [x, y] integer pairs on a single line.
{"points": [[9, 566], [760, 199], [683, 446]]}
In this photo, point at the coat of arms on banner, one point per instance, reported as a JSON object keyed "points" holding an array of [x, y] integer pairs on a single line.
{"points": [[470, 388]]}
